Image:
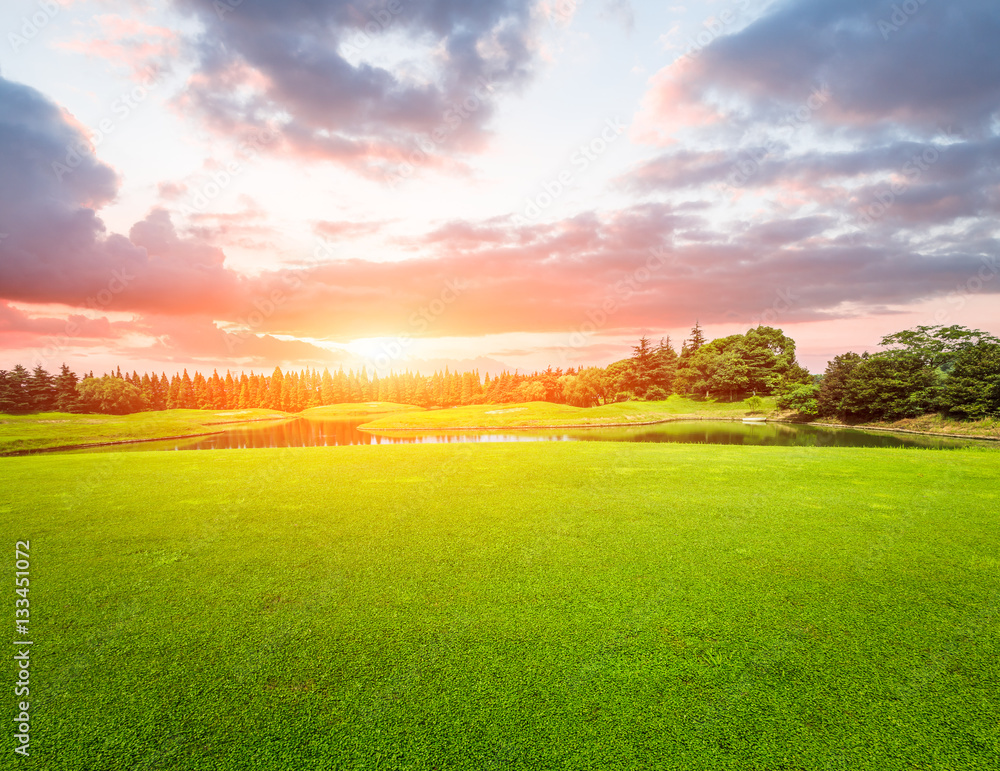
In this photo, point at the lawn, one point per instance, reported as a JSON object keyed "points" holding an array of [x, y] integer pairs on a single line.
{"points": [[539, 414], [60, 429], [511, 606]]}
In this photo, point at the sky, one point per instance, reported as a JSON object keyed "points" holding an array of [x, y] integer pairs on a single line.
{"points": [[490, 184]]}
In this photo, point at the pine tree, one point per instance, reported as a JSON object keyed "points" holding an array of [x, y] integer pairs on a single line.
{"points": [[186, 396], [16, 399], [67, 398], [174, 393], [41, 390], [696, 341]]}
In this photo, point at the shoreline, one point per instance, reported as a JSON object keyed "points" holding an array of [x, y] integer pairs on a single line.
{"points": [[677, 419], [37, 450], [548, 428], [860, 427]]}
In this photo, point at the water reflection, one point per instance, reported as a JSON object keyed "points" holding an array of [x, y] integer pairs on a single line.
{"points": [[339, 433], [773, 434]]}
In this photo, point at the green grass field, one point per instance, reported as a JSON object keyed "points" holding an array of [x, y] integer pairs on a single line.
{"points": [[511, 606], [59, 429], [536, 414]]}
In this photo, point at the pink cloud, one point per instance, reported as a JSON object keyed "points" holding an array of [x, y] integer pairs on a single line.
{"points": [[143, 49], [674, 102]]}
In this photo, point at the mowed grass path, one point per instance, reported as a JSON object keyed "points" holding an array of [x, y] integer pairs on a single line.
{"points": [[519, 606]]}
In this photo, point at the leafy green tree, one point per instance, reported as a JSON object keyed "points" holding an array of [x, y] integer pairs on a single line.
{"points": [[771, 362], [656, 394], [937, 346], [695, 371], [729, 373], [621, 379], [110, 395], [973, 388], [760, 362], [830, 400], [890, 387], [801, 398]]}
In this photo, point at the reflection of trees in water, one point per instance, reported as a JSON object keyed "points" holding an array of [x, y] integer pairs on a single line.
{"points": [[301, 432], [767, 434]]}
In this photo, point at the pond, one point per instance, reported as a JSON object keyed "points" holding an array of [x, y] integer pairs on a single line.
{"points": [[337, 433]]}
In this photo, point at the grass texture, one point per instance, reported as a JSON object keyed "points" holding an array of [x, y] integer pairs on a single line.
{"points": [[512, 606]]}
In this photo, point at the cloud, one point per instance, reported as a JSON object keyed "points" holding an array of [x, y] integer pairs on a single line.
{"points": [[937, 69], [20, 329], [310, 69], [142, 49], [346, 229], [57, 249], [197, 338], [556, 277], [621, 11]]}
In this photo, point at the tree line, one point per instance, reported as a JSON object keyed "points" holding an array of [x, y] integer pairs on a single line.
{"points": [[928, 369]]}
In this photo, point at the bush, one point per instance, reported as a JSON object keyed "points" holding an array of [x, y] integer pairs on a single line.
{"points": [[656, 394], [755, 404], [802, 400]]}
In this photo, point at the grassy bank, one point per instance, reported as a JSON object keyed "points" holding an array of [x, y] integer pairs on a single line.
{"points": [[59, 429], [516, 606], [56, 429], [540, 414], [936, 424], [349, 411]]}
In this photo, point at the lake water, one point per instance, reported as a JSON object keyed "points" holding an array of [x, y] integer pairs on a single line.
{"points": [[336, 433]]}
